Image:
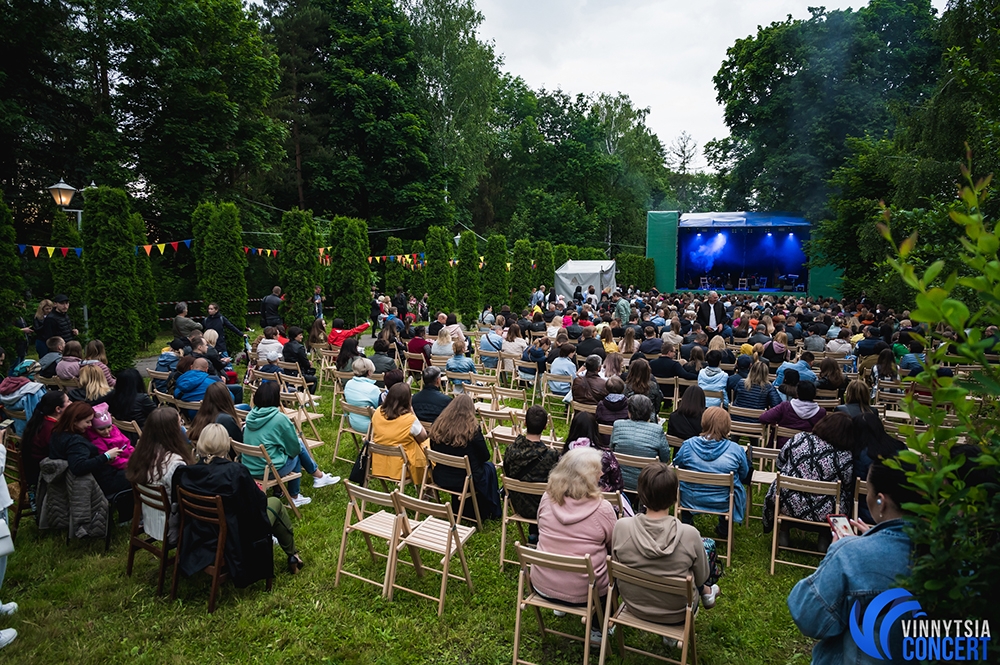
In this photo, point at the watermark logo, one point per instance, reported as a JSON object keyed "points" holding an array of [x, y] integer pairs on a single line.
{"points": [[923, 639]]}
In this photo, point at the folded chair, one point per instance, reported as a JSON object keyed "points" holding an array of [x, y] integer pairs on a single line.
{"points": [[383, 525], [157, 499]]}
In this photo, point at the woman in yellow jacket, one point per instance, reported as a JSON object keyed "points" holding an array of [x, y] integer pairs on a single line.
{"points": [[395, 424]]}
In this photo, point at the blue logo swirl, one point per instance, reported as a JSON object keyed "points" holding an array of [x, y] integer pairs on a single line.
{"points": [[894, 603]]}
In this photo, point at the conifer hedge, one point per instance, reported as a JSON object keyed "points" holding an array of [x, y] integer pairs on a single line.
{"points": [[222, 277], [438, 280], [110, 264], [68, 275], [467, 280], [545, 268], [522, 278], [350, 277], [496, 288], [298, 266], [201, 218], [635, 270], [592, 254], [395, 271], [560, 255], [11, 284], [144, 293], [415, 279]]}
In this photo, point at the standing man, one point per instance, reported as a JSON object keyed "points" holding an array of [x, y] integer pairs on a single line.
{"points": [[318, 300], [57, 322], [400, 302], [269, 309], [713, 318], [622, 308]]}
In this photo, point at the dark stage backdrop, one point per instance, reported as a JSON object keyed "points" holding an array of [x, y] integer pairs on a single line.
{"points": [[724, 256]]}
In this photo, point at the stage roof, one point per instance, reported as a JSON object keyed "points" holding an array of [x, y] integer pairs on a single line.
{"points": [[740, 219]]}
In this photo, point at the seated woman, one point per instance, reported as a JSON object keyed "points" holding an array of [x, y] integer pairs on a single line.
{"points": [[713, 452], [640, 381], [161, 450], [95, 355], [395, 424], [251, 516], [317, 336], [685, 421], [38, 432], [825, 453], [69, 443], [129, 400], [855, 570], [94, 388], [457, 432], [459, 363], [573, 520], [583, 433], [217, 407], [718, 343], [613, 365], [755, 391], [267, 425], [800, 412], [857, 399], [777, 351], [657, 543], [349, 352], [442, 345], [640, 437], [831, 377], [884, 370], [69, 367]]}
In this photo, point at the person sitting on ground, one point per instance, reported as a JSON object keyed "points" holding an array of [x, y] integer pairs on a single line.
{"points": [[529, 460], [129, 400], [266, 425], [460, 363], [182, 325], [430, 401], [105, 436], [395, 424], [658, 544], [217, 407], [269, 342], [362, 391], [583, 433], [685, 421], [639, 437], [713, 378], [639, 381], [48, 363], [825, 453], [94, 388], [574, 520], [68, 367], [713, 452], [755, 391], [69, 443], [456, 432], [295, 352], [442, 345], [589, 388], [801, 412], [38, 432], [855, 570]]}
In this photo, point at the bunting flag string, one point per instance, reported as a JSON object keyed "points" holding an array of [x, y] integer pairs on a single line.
{"points": [[64, 251]]}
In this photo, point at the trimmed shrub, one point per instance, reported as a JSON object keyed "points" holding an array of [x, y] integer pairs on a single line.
{"points": [[592, 254], [496, 278], [560, 255], [201, 218], [298, 266], [545, 269], [470, 299], [350, 277], [11, 284], [110, 265], [635, 270], [222, 276], [145, 288], [438, 279], [522, 278], [415, 279], [67, 271], [395, 271]]}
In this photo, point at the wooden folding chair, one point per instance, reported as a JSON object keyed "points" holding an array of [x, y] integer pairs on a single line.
{"points": [[207, 509], [50, 384], [722, 481], [575, 406], [783, 433], [675, 443], [437, 533], [819, 487], [341, 379], [157, 499], [382, 525], [14, 414], [669, 389], [468, 488], [622, 617], [387, 451], [327, 367], [517, 379], [511, 516], [271, 477], [744, 412], [346, 426], [754, 433], [128, 426], [511, 398], [827, 394], [416, 358], [763, 475], [184, 407], [13, 475], [681, 386], [860, 489], [635, 461], [69, 384], [550, 397], [577, 565], [615, 499], [456, 381]]}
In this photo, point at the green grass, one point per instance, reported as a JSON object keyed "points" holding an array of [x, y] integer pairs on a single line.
{"points": [[77, 605]]}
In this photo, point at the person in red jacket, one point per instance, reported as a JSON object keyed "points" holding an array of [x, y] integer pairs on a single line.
{"points": [[338, 334], [419, 344]]}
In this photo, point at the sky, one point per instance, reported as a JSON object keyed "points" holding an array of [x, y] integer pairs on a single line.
{"points": [[661, 53]]}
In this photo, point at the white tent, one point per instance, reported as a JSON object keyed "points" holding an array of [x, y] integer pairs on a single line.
{"points": [[599, 274]]}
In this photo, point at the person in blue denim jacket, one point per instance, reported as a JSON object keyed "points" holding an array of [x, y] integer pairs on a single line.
{"points": [[856, 568]]}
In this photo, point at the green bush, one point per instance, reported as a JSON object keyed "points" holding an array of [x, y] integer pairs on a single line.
{"points": [[110, 262], [11, 283], [496, 278], [545, 269], [415, 279], [145, 288], [201, 218], [470, 299], [560, 255], [222, 276], [350, 275], [68, 275], [636, 270], [438, 274], [592, 254], [522, 278], [298, 266], [395, 271]]}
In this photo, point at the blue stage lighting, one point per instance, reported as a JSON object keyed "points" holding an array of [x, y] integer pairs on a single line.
{"points": [[768, 234]]}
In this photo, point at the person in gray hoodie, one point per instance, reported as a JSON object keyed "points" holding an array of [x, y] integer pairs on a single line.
{"points": [[658, 543]]}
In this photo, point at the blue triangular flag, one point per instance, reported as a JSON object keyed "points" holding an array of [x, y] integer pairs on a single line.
{"points": [[421, 255], [188, 243], [79, 251], [137, 250], [21, 248], [253, 250]]}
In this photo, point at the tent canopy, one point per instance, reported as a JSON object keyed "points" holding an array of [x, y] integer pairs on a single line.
{"points": [[740, 219], [599, 274]]}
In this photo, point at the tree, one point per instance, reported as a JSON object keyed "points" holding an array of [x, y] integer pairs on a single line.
{"points": [[110, 264], [11, 283], [222, 277], [351, 278], [395, 270], [68, 275], [201, 219], [298, 266], [415, 280], [635, 270], [545, 269], [522, 278], [592, 254], [438, 279], [144, 292], [496, 278], [467, 275], [560, 255]]}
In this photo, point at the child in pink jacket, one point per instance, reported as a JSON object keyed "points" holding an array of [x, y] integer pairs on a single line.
{"points": [[103, 434]]}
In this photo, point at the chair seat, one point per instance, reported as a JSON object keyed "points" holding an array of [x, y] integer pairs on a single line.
{"points": [[764, 477], [624, 617], [432, 534], [537, 600], [380, 524], [503, 431]]}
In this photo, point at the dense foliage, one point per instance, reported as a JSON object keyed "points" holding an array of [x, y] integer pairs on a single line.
{"points": [[221, 278], [635, 270], [522, 277], [468, 292], [350, 278], [144, 294], [298, 265], [496, 283], [11, 284], [395, 271], [68, 275], [545, 269], [415, 280], [439, 281]]}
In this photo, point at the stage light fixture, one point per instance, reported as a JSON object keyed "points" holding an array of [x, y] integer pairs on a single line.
{"points": [[768, 234]]}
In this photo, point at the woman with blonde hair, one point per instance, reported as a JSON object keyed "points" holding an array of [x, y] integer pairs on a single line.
{"points": [[717, 343], [768, 323], [614, 365], [95, 355], [777, 351], [755, 391], [44, 307], [857, 399], [608, 340], [574, 520], [94, 388], [442, 344]]}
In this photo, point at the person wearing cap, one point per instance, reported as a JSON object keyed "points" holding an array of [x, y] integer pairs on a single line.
{"points": [[271, 356], [57, 322]]}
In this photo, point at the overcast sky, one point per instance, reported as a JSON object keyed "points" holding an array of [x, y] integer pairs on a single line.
{"points": [[661, 53]]}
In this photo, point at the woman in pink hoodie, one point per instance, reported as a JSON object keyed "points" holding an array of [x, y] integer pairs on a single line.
{"points": [[573, 519]]}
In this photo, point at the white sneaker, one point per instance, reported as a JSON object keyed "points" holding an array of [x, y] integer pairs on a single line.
{"points": [[324, 480], [7, 636], [7, 609], [559, 613], [708, 600], [301, 500]]}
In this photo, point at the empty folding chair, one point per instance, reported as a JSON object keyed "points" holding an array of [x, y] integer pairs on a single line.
{"points": [[156, 498], [383, 525], [818, 487]]}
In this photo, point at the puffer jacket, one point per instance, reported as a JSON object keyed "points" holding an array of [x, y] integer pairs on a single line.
{"points": [[66, 501]]}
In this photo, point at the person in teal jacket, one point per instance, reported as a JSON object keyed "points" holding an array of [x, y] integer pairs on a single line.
{"points": [[267, 425]]}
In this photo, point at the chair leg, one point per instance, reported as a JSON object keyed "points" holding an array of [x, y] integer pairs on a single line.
{"points": [[164, 561], [177, 562], [444, 584], [517, 613]]}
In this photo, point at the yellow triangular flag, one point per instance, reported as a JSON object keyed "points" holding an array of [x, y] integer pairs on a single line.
{"points": [[482, 258], [508, 266], [162, 247], [50, 250]]}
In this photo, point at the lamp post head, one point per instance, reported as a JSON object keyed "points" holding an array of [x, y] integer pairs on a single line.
{"points": [[62, 193]]}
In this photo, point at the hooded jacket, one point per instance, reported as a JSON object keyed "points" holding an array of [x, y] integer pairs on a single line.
{"points": [[272, 428], [613, 407], [589, 388], [192, 384], [723, 456], [795, 414], [713, 378], [575, 528], [337, 336], [662, 547], [775, 352]]}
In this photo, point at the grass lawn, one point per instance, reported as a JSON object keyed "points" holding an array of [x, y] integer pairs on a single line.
{"points": [[77, 605]]}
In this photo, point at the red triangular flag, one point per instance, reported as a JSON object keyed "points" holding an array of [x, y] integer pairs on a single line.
{"points": [[174, 244], [64, 250], [246, 250]]}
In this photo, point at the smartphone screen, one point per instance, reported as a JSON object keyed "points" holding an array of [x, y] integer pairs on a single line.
{"points": [[840, 525]]}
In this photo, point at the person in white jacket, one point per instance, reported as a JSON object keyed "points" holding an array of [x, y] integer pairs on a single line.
{"points": [[7, 635], [713, 378]]}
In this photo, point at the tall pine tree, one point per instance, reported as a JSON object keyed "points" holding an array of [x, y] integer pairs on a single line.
{"points": [[395, 271], [222, 278], [415, 281], [467, 276], [145, 287], [11, 283], [350, 276], [68, 276], [545, 269], [495, 274], [438, 280], [298, 266], [522, 278]]}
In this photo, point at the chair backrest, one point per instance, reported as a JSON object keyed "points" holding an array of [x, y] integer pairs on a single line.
{"points": [[766, 456], [533, 489], [501, 393], [675, 441], [366, 411], [287, 366], [821, 487], [208, 509], [452, 461], [127, 426], [860, 489], [786, 432], [258, 451], [608, 430], [388, 451], [673, 586], [635, 461], [359, 494], [586, 408], [827, 394], [744, 412], [442, 511], [828, 404], [154, 496], [702, 478], [193, 406], [579, 565], [343, 376]]}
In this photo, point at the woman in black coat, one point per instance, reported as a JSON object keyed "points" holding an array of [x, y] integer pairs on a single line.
{"points": [[685, 421], [129, 399], [68, 443]]}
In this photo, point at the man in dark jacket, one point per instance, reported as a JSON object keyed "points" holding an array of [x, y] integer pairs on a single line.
{"points": [[713, 318], [759, 335], [57, 322], [219, 323], [667, 367], [269, 308], [429, 402], [184, 327], [589, 344], [651, 344], [295, 352], [590, 388], [529, 460]]}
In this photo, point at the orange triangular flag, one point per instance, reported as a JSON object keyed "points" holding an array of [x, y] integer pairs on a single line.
{"points": [[369, 259], [35, 249], [148, 249]]}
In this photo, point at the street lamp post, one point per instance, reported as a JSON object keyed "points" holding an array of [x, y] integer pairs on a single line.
{"points": [[63, 194]]}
